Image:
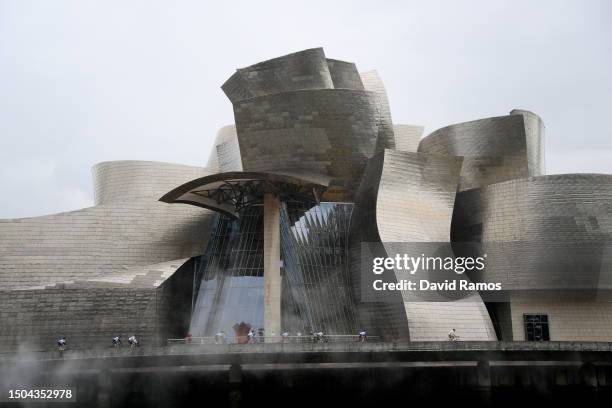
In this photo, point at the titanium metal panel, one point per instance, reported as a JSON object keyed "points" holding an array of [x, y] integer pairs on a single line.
{"points": [[225, 153], [407, 137], [308, 116], [373, 82], [306, 69], [344, 75], [494, 149], [324, 136], [409, 197], [542, 233], [128, 227]]}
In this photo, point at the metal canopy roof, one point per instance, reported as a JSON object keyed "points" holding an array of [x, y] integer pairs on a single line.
{"points": [[230, 192]]}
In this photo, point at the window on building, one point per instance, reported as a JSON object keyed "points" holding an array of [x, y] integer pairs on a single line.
{"points": [[536, 327]]}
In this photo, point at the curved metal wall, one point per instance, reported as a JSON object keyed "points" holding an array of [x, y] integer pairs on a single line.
{"points": [[407, 137], [128, 228], [225, 153], [373, 82], [416, 194], [535, 134], [324, 135], [309, 116], [549, 232], [344, 75], [135, 180], [409, 197], [306, 69], [494, 149]]}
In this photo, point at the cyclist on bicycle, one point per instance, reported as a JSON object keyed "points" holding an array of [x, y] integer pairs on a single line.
{"points": [[117, 341], [133, 341], [61, 343]]}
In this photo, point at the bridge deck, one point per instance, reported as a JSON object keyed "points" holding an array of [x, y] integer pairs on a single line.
{"points": [[313, 353]]}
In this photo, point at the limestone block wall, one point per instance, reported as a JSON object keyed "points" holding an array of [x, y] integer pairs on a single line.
{"points": [[569, 320], [89, 273], [90, 312], [88, 317]]}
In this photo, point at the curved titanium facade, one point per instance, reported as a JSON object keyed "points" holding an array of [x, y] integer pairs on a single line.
{"points": [[548, 242], [407, 137], [225, 153], [132, 180], [311, 117], [306, 69], [129, 227], [373, 82], [494, 149], [126, 249], [549, 232], [325, 136], [409, 197], [313, 172], [344, 75], [535, 134]]}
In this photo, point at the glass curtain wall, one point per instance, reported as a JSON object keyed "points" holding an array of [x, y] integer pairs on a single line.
{"points": [[315, 284], [314, 247], [230, 292]]}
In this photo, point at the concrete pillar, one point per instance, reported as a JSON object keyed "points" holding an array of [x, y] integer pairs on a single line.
{"points": [[272, 277]]}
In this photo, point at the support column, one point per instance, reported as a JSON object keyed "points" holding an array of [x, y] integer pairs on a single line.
{"points": [[272, 277]]}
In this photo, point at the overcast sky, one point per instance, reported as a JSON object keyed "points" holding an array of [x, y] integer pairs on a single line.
{"points": [[88, 81]]}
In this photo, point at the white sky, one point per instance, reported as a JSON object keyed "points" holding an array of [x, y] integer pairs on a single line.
{"points": [[88, 81]]}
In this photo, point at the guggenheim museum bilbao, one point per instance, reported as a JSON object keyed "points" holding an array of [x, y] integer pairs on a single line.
{"points": [[268, 235]]}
